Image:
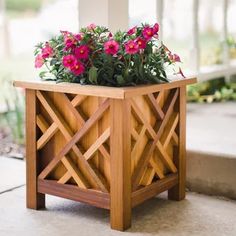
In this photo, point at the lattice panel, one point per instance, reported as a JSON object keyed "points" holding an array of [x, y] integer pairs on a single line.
{"points": [[74, 138], [154, 136], [74, 130]]}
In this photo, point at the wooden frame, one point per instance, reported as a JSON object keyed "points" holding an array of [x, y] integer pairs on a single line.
{"points": [[112, 148]]}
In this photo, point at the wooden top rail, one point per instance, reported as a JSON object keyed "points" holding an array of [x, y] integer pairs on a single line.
{"points": [[101, 91]]}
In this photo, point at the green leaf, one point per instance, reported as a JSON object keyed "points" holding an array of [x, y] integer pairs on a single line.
{"points": [[120, 79], [53, 62], [93, 75], [42, 74]]}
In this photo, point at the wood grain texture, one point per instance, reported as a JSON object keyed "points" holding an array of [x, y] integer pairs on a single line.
{"points": [[143, 194], [120, 193], [92, 197], [34, 200], [178, 192], [101, 91]]}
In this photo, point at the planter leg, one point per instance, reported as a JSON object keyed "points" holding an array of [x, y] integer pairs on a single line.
{"points": [[178, 192], [34, 200], [120, 192]]}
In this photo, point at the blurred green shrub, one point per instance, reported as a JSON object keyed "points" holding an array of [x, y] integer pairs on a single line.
{"points": [[23, 5], [13, 115], [216, 90]]}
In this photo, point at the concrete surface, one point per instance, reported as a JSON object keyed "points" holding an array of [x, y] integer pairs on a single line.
{"points": [[211, 148], [211, 128], [197, 215], [12, 173]]}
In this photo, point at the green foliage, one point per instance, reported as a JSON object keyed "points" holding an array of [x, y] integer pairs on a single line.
{"points": [[122, 68], [23, 5], [14, 114], [216, 90]]}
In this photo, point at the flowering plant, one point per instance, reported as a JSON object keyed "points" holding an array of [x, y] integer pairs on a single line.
{"points": [[96, 56]]}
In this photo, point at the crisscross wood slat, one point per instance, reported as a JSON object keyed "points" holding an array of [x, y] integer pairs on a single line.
{"points": [[155, 144], [68, 134]]}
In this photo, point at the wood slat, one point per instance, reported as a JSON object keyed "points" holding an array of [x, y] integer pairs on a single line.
{"points": [[145, 193], [75, 173], [155, 107], [95, 146], [64, 178], [169, 130], [47, 135], [89, 196]]}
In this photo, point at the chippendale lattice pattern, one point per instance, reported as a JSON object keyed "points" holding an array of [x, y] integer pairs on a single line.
{"points": [[78, 159], [154, 136], [79, 134]]}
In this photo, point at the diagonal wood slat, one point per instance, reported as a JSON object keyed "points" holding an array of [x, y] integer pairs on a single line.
{"points": [[73, 170], [71, 106], [47, 135], [95, 146], [168, 109], [72, 140]]}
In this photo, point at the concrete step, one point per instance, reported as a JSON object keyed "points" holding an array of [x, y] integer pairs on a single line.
{"points": [[211, 148]]}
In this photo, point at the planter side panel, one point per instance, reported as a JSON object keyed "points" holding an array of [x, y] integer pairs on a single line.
{"points": [[154, 137], [83, 161]]}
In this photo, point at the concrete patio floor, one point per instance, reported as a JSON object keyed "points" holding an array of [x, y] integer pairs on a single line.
{"points": [[197, 215]]}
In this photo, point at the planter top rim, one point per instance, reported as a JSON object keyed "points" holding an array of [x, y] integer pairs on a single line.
{"points": [[102, 91]]}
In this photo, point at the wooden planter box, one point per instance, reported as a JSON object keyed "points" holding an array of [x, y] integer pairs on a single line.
{"points": [[112, 148]]}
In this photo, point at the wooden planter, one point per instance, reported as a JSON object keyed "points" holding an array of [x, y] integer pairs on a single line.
{"points": [[112, 148]]}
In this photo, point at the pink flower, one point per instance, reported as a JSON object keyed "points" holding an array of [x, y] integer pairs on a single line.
{"points": [[79, 36], [174, 57], [70, 42], [111, 47], [147, 32], [131, 47], [69, 61], [47, 51], [82, 52], [141, 43], [39, 61], [78, 68], [91, 26], [155, 28], [132, 30]]}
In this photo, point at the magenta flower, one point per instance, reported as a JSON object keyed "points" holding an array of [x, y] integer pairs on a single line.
{"points": [[47, 51], [79, 36], [78, 68], [69, 61], [111, 47], [70, 42], [141, 43], [155, 28], [132, 30], [131, 47], [82, 52], [147, 32], [39, 61]]}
